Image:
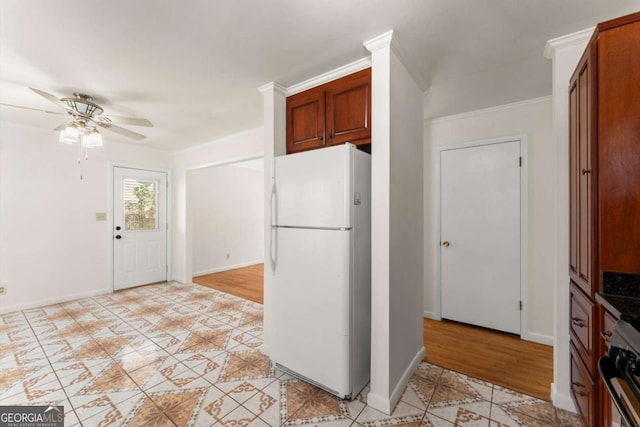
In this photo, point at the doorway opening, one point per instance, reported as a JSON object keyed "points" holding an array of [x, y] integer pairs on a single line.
{"points": [[226, 219]]}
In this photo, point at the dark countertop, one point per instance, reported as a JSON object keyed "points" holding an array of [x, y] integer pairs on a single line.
{"points": [[620, 306], [621, 295]]}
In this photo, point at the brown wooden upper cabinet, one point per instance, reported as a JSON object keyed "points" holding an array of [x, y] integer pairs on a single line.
{"points": [[331, 114]]}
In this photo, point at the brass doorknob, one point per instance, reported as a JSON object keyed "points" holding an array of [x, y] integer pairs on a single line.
{"points": [[445, 244]]}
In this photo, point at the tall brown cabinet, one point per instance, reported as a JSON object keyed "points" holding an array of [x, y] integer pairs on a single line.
{"points": [[604, 188]]}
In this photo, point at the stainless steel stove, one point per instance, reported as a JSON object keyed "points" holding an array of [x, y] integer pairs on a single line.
{"points": [[620, 371]]}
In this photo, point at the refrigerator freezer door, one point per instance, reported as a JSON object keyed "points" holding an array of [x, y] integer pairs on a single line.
{"points": [[313, 189], [310, 317]]}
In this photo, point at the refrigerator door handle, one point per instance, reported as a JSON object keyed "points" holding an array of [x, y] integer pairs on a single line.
{"points": [[274, 230]]}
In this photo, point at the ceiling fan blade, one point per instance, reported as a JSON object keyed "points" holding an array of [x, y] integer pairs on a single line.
{"points": [[51, 98], [133, 121], [29, 108], [121, 131]]}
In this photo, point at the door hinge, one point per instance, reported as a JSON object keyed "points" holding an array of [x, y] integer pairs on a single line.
{"points": [[167, 226], [520, 161], [167, 184], [166, 268], [520, 305]]}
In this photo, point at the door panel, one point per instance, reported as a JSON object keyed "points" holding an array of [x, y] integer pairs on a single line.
{"points": [[310, 316], [480, 220], [312, 189], [139, 215]]}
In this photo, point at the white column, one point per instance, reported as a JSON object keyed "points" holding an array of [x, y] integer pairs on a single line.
{"points": [[274, 145], [380, 48], [396, 223], [564, 53]]}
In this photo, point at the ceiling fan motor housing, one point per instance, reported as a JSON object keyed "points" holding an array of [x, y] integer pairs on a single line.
{"points": [[83, 105]]}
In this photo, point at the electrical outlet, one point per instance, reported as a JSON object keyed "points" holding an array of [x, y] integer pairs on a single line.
{"points": [[101, 216], [3, 290], [228, 256]]}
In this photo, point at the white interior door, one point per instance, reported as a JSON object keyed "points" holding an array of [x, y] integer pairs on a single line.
{"points": [[480, 247], [140, 227]]}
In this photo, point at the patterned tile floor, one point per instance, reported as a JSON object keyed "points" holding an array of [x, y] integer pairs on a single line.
{"points": [[186, 355]]}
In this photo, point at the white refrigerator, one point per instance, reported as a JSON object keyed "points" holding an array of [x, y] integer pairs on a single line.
{"points": [[321, 263]]}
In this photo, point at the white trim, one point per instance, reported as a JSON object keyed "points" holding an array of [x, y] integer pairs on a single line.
{"points": [[272, 87], [387, 405], [111, 166], [562, 401], [223, 139], [379, 42], [334, 74], [227, 267], [522, 138], [539, 338], [430, 315], [390, 40], [567, 40], [56, 300], [227, 161], [489, 110]]}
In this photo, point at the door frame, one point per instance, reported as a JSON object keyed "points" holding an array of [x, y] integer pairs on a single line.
{"points": [[110, 235], [522, 139]]}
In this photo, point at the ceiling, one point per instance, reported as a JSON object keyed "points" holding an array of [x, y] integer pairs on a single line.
{"points": [[192, 67]]}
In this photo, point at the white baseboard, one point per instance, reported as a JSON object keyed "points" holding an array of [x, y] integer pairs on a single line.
{"points": [[56, 300], [227, 267], [538, 338], [387, 405], [430, 315], [562, 401]]}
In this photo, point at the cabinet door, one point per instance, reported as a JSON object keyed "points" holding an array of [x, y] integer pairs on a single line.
{"points": [[581, 196], [619, 147], [574, 213], [349, 109], [306, 120]]}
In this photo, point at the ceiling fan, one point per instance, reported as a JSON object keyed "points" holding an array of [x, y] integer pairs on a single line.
{"points": [[86, 116]]}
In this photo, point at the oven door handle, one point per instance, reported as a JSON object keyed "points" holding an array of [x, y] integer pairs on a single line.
{"points": [[608, 370]]}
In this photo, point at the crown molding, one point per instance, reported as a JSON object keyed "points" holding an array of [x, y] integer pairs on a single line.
{"points": [[567, 40], [489, 110], [272, 87], [390, 40], [379, 42], [336, 73]]}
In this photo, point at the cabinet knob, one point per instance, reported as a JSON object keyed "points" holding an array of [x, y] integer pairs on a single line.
{"points": [[446, 244], [585, 171]]}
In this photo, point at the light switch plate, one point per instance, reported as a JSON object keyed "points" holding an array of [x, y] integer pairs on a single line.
{"points": [[101, 216]]}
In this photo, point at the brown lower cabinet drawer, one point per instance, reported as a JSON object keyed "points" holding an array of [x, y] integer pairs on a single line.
{"points": [[583, 390], [608, 323], [582, 318]]}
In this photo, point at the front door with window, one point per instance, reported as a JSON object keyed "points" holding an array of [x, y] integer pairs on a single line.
{"points": [[139, 227]]}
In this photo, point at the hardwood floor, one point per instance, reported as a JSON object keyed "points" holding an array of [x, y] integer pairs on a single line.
{"points": [[496, 357], [246, 282], [499, 358]]}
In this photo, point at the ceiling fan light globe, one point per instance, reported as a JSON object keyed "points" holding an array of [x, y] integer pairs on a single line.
{"points": [[69, 135], [93, 139]]}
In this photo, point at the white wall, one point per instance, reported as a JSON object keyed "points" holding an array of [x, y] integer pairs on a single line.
{"points": [[397, 224], [533, 118], [51, 247], [406, 224], [228, 214], [242, 146]]}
